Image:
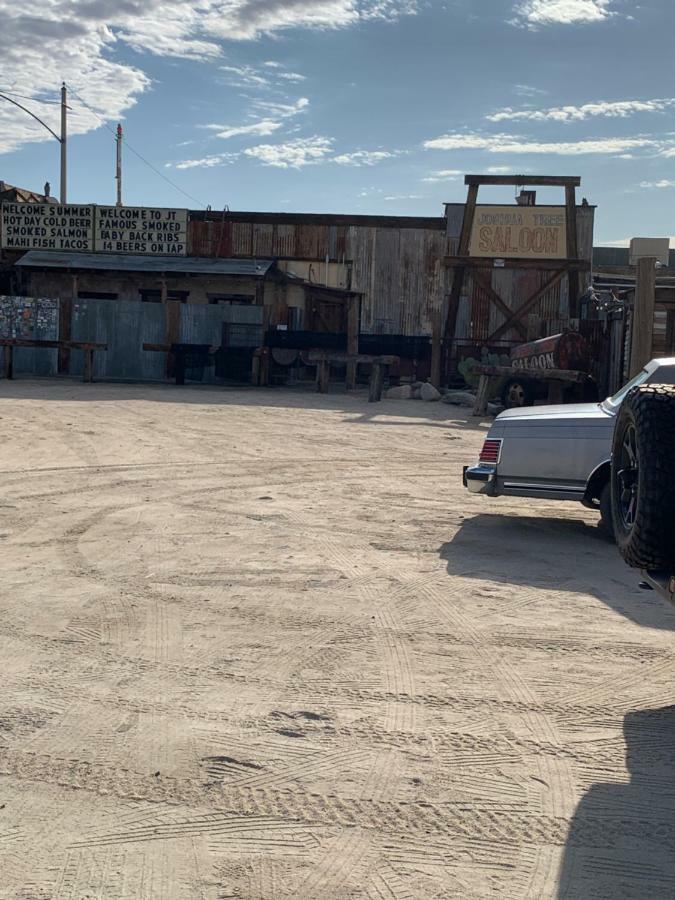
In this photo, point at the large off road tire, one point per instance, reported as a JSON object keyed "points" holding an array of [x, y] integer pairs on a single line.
{"points": [[643, 477]]}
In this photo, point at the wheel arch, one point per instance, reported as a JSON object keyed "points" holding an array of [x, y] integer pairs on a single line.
{"points": [[599, 477]]}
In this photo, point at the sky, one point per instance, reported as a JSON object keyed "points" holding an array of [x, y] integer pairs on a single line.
{"points": [[346, 106]]}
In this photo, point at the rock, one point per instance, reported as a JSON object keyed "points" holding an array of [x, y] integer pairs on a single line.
{"points": [[416, 385], [416, 393], [495, 408], [460, 398], [402, 392], [429, 393]]}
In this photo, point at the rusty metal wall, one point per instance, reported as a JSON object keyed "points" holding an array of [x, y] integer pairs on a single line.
{"points": [[399, 269]]}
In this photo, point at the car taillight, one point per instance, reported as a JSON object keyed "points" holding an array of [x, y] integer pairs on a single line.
{"points": [[491, 451]]}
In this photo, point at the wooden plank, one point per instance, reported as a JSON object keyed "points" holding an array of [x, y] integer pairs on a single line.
{"points": [[353, 322], [483, 262], [643, 315], [312, 357], [65, 319], [483, 282], [52, 345], [572, 247], [522, 310], [480, 406], [525, 180], [436, 347]]}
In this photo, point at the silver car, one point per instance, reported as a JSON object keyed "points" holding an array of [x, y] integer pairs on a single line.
{"points": [[557, 452]]}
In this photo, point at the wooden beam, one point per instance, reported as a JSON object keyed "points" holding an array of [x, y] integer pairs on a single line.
{"points": [[572, 248], [8, 361], [525, 180], [570, 375], [643, 315], [463, 251], [485, 262], [480, 405], [518, 314], [483, 282]]}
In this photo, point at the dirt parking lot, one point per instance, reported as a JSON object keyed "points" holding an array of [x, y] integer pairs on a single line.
{"points": [[262, 644]]}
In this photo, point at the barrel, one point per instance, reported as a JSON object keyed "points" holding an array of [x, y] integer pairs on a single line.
{"points": [[560, 351]]}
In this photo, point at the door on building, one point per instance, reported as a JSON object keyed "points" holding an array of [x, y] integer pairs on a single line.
{"points": [[326, 314]]}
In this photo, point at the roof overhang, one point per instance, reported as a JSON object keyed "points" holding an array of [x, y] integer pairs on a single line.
{"points": [[160, 265]]}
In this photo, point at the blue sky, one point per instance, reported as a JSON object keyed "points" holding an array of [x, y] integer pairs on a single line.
{"points": [[361, 106]]}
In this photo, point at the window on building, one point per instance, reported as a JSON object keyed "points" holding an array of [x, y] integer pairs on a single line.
{"points": [[230, 299], [152, 295], [96, 295]]}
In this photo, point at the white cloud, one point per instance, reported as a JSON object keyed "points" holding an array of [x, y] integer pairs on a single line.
{"points": [[292, 154], [664, 183], [206, 162], [77, 40], [499, 170], [443, 175], [506, 143], [562, 12], [364, 157], [617, 109], [262, 127], [393, 197]]}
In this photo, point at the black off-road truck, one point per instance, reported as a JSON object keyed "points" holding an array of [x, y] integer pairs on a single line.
{"points": [[643, 484]]}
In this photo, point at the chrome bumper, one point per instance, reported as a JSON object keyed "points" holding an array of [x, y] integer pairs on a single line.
{"points": [[479, 479]]}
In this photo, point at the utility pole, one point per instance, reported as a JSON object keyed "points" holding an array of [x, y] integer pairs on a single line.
{"points": [[118, 176], [64, 139]]}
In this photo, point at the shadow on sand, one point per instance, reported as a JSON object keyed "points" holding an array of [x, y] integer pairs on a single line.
{"points": [[551, 552], [621, 842]]}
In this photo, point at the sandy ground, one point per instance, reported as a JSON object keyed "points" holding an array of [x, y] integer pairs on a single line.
{"points": [[262, 644]]}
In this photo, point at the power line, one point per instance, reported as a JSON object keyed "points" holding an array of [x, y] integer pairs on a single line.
{"points": [[136, 153]]}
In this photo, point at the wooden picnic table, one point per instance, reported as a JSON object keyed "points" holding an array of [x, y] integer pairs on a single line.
{"points": [[555, 378], [324, 359], [9, 344]]}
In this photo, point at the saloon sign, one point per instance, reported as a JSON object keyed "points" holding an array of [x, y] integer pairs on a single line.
{"points": [[525, 232], [102, 229]]}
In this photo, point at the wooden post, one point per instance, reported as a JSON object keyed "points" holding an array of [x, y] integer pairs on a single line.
{"points": [[376, 383], [172, 329], [322, 376], [436, 347], [572, 248], [643, 314], [353, 323], [88, 366], [670, 332], [8, 362], [480, 406], [65, 329], [463, 250]]}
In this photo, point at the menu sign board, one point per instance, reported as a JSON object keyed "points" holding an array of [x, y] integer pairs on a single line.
{"points": [[522, 232], [47, 226], [141, 229]]}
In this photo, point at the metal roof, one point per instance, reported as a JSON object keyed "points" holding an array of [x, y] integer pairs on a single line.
{"points": [[121, 262]]}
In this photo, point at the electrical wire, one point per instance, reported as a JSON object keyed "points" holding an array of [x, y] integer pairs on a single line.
{"points": [[135, 152]]}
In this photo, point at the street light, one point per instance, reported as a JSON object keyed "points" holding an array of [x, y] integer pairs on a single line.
{"points": [[63, 139]]}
